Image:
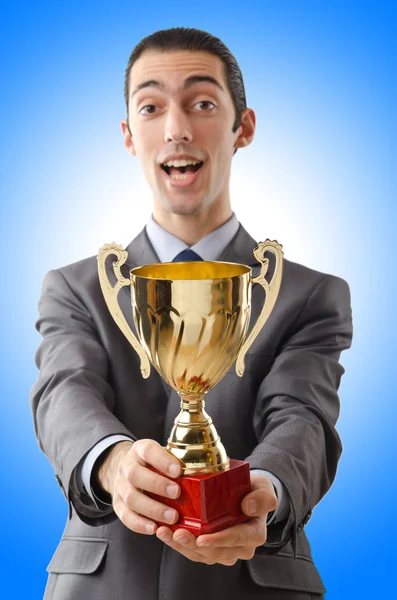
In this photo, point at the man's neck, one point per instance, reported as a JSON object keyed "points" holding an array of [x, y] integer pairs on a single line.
{"points": [[192, 228]]}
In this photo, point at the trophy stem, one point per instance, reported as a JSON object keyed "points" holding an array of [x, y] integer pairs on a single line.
{"points": [[194, 440]]}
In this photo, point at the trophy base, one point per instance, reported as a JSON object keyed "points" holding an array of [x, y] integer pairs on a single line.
{"points": [[210, 502]]}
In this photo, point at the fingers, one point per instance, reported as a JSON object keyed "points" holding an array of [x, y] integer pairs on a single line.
{"points": [[261, 500], [136, 509], [165, 535], [250, 534], [132, 520], [184, 542], [142, 504], [142, 478], [151, 453], [223, 556]]}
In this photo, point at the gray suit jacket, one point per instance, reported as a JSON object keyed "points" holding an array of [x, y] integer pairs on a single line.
{"points": [[280, 416]]}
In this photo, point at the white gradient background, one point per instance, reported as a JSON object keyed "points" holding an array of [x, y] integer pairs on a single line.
{"points": [[319, 178]]}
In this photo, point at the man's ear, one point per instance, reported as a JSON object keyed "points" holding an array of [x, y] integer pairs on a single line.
{"points": [[246, 131], [128, 141]]}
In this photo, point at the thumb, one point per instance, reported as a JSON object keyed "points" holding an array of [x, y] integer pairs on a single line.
{"points": [[261, 500]]}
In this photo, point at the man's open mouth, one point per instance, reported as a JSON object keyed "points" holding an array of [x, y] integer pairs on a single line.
{"points": [[180, 169]]}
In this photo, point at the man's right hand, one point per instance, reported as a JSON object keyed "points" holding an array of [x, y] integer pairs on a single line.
{"points": [[125, 475]]}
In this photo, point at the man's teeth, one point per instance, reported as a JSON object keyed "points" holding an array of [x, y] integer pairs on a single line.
{"points": [[181, 177], [181, 163]]}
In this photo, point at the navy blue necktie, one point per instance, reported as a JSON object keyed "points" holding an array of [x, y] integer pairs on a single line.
{"points": [[187, 256]]}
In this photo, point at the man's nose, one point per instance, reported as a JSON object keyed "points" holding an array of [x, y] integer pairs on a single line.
{"points": [[177, 126]]}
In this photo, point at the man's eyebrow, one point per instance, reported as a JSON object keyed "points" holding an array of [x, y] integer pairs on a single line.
{"points": [[145, 84], [199, 79], [187, 84]]}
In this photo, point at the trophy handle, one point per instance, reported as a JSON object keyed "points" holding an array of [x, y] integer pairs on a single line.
{"points": [[110, 294], [272, 289]]}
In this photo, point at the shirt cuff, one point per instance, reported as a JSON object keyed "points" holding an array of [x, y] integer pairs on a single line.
{"points": [[84, 470], [283, 505]]}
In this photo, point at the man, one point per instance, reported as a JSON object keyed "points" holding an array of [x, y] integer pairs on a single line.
{"points": [[102, 425]]}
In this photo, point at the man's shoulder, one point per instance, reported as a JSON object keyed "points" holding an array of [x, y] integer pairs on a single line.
{"points": [[301, 285], [78, 279], [83, 270], [297, 274], [84, 266]]}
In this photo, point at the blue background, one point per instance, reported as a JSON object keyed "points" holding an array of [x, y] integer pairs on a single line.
{"points": [[321, 77]]}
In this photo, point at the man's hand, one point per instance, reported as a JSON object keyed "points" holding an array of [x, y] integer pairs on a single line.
{"points": [[125, 475], [228, 546]]}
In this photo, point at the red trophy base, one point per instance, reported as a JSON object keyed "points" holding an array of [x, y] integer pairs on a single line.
{"points": [[210, 503]]}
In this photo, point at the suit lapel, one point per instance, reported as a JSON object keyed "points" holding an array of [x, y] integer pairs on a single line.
{"points": [[240, 249], [141, 252]]}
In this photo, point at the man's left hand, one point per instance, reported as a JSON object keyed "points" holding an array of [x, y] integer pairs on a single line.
{"points": [[238, 542]]}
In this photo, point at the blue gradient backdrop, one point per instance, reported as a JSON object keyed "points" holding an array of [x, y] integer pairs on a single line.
{"points": [[321, 76]]}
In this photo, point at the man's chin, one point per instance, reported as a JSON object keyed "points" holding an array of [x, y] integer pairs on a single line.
{"points": [[183, 207]]}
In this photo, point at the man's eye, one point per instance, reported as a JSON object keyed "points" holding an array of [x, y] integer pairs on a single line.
{"points": [[149, 109], [205, 105]]}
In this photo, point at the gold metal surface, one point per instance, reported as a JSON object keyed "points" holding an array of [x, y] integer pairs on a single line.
{"points": [[110, 294], [272, 289], [194, 439], [191, 319]]}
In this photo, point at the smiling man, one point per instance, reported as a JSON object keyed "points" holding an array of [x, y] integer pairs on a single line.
{"points": [[103, 426], [184, 126]]}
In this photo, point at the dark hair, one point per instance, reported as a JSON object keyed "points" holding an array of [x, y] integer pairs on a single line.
{"points": [[182, 38]]}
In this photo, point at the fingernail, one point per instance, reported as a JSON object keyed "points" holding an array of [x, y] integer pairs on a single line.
{"points": [[172, 490], [165, 536], [204, 545], [149, 528], [174, 469], [251, 507], [169, 515], [182, 540]]}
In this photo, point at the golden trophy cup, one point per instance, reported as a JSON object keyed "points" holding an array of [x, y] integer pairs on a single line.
{"points": [[192, 319]]}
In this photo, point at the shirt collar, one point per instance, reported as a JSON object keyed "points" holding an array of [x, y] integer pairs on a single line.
{"points": [[168, 246]]}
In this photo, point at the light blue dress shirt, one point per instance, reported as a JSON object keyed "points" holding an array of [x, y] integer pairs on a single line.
{"points": [[167, 247]]}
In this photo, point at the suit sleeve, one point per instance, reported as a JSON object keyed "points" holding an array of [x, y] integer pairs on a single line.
{"points": [[72, 400], [297, 407]]}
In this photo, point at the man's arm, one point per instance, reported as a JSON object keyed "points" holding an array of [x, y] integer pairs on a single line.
{"points": [[297, 406], [72, 405], [72, 400], [296, 411]]}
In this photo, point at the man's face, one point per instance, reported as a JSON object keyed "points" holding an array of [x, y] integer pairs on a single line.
{"points": [[181, 117]]}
